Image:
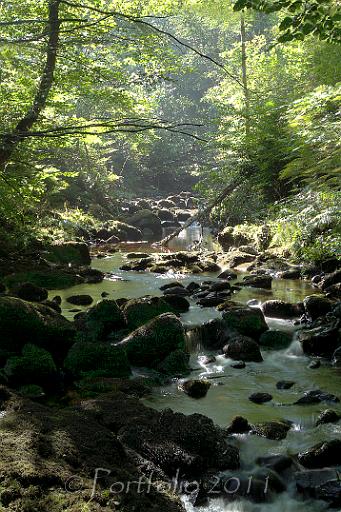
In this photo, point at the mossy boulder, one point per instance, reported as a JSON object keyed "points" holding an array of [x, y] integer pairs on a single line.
{"points": [[317, 305], [148, 222], [100, 321], [34, 366], [139, 311], [30, 292], [242, 348], [175, 364], [196, 388], [51, 279], [65, 253], [151, 343], [22, 322], [103, 359], [230, 237], [246, 321], [274, 430], [125, 232], [275, 339]]}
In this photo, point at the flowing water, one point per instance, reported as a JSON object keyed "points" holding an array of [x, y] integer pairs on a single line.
{"points": [[230, 389]]}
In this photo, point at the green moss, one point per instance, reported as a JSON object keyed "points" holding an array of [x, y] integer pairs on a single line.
{"points": [[139, 311], [49, 279], [275, 339], [22, 321], [152, 343], [125, 232], [35, 365], [101, 320], [76, 253], [246, 321], [104, 359], [175, 364]]}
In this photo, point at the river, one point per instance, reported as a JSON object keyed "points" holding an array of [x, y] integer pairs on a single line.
{"points": [[230, 389]]}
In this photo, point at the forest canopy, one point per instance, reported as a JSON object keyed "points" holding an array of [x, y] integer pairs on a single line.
{"points": [[106, 100]]}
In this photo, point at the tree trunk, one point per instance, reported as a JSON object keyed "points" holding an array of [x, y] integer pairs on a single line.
{"points": [[10, 141], [227, 190], [244, 74]]}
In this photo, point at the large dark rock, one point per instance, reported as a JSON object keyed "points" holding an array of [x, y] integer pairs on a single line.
{"points": [[170, 441], [80, 300], [260, 398], [196, 388], [75, 253], [263, 281], [177, 303], [45, 451], [34, 366], [274, 430], [328, 416], [176, 364], [275, 339], [242, 348], [139, 311], [148, 223], [330, 280], [30, 292], [316, 306], [228, 275], [212, 334], [229, 238], [322, 340], [125, 232], [99, 359], [246, 321], [101, 320], [22, 322], [281, 309], [317, 396], [322, 455], [239, 425], [151, 343]]}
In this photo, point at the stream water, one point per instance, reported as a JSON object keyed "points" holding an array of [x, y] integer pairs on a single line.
{"points": [[230, 389]]}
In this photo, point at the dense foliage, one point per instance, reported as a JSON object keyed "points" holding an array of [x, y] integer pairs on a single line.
{"points": [[106, 100]]}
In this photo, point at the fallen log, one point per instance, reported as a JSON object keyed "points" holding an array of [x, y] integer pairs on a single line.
{"points": [[203, 213]]}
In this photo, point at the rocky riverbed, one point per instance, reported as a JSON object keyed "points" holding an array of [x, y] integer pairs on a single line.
{"points": [[212, 377]]}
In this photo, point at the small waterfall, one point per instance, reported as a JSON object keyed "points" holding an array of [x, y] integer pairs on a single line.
{"points": [[295, 348]]}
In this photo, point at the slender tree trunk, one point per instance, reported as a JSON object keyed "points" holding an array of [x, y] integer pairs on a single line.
{"points": [[10, 141], [227, 190], [244, 74]]}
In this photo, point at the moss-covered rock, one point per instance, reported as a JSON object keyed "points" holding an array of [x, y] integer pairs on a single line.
{"points": [[125, 232], [51, 279], [30, 292], [150, 344], [275, 339], [175, 364], [196, 388], [147, 221], [231, 237], [246, 321], [65, 253], [22, 322], [139, 311], [275, 430], [101, 358], [34, 366], [101, 320], [242, 348]]}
